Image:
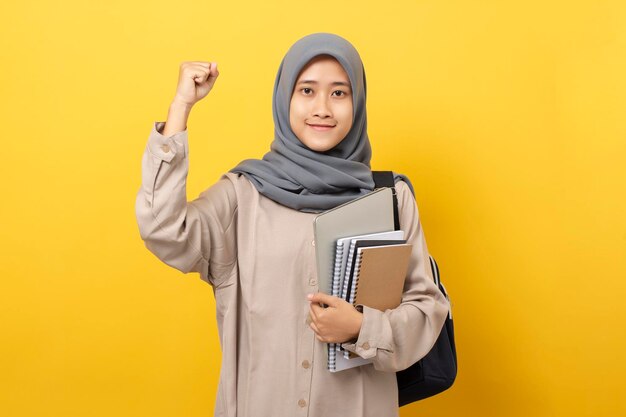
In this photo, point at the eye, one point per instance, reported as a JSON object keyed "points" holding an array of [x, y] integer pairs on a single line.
{"points": [[341, 93], [306, 90]]}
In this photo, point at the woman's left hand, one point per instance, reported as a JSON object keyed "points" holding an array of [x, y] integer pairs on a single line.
{"points": [[338, 323]]}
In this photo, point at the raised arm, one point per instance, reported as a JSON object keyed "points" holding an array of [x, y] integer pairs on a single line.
{"points": [[195, 236]]}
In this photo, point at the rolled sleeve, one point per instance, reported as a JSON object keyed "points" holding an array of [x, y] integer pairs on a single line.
{"points": [[165, 148], [373, 335]]}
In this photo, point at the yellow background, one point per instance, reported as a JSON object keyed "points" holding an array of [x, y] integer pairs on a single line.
{"points": [[508, 116]]}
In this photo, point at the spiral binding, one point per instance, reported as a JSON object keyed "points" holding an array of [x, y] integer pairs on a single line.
{"points": [[337, 269], [344, 292], [332, 348], [355, 279]]}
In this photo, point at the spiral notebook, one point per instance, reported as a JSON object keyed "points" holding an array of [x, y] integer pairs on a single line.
{"points": [[373, 260], [355, 244], [345, 247], [344, 254], [369, 288]]}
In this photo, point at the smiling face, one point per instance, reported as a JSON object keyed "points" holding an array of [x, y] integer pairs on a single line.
{"points": [[320, 112]]}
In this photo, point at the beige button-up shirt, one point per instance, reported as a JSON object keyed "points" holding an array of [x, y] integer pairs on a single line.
{"points": [[259, 258]]}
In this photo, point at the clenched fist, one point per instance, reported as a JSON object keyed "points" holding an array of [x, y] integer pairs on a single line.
{"points": [[195, 80]]}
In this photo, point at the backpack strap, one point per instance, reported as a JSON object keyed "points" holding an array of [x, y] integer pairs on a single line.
{"points": [[385, 179]]}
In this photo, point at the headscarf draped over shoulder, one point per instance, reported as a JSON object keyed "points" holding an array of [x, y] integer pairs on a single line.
{"points": [[291, 173]]}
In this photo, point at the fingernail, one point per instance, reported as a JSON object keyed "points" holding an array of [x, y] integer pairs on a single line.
{"points": [[309, 296]]}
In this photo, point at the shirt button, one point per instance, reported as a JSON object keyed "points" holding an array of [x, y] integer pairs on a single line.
{"points": [[312, 281], [365, 345], [166, 148], [313, 242], [302, 402], [306, 364]]}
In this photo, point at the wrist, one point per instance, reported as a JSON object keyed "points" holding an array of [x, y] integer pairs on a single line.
{"points": [[358, 322], [177, 117], [180, 105]]}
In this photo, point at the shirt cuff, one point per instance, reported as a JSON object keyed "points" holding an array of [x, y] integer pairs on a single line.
{"points": [[166, 148], [369, 340]]}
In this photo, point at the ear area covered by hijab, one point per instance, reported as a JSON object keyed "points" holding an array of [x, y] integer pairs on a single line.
{"points": [[294, 175]]}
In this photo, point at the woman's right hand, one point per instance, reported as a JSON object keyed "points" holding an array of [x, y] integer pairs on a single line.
{"points": [[195, 80]]}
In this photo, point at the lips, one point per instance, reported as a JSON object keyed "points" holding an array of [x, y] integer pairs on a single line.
{"points": [[320, 127]]}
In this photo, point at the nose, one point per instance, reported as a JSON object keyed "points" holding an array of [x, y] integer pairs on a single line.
{"points": [[321, 107]]}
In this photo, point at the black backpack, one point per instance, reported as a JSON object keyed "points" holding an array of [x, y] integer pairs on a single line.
{"points": [[436, 371]]}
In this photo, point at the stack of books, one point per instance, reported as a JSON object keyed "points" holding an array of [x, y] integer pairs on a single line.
{"points": [[362, 260]]}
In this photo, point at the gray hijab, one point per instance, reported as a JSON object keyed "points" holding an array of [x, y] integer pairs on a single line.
{"points": [[294, 175]]}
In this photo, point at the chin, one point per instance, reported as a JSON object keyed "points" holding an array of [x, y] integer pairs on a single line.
{"points": [[317, 145], [317, 148]]}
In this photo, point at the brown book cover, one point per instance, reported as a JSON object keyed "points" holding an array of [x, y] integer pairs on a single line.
{"points": [[381, 275]]}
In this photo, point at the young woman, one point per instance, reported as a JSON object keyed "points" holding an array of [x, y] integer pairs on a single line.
{"points": [[250, 236]]}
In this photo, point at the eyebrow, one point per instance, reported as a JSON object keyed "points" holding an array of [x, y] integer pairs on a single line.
{"points": [[334, 83]]}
